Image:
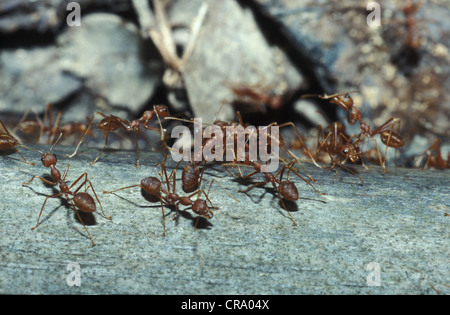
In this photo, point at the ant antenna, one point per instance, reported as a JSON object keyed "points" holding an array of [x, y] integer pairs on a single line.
{"points": [[57, 140]]}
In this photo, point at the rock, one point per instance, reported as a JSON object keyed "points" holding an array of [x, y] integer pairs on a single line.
{"points": [[394, 221], [232, 51], [31, 78], [107, 53], [342, 52]]}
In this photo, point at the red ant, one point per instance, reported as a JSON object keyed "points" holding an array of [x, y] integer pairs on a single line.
{"points": [[389, 138], [435, 158], [81, 200], [413, 40], [112, 123], [8, 142], [257, 97], [30, 126], [345, 101], [337, 142], [285, 189], [153, 187]]}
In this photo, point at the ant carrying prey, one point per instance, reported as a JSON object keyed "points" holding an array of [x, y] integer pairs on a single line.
{"points": [[80, 201]]}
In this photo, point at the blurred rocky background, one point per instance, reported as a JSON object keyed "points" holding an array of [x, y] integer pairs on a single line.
{"points": [[209, 58]]}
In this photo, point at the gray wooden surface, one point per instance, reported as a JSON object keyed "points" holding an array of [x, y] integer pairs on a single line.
{"points": [[250, 246]]}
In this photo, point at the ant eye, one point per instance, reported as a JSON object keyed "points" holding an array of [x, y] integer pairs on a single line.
{"points": [[42, 159]]}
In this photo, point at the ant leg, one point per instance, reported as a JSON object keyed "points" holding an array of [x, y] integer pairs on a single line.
{"points": [[42, 179], [137, 147], [26, 161], [42, 208], [435, 147], [252, 186], [86, 180], [81, 220], [301, 177], [87, 130], [382, 161], [303, 143], [113, 191], [164, 216], [282, 203], [104, 146], [340, 164]]}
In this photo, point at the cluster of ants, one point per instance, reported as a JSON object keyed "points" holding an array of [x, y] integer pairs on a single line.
{"points": [[333, 145]]}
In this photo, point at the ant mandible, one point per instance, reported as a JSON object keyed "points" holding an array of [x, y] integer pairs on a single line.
{"points": [[81, 200]]}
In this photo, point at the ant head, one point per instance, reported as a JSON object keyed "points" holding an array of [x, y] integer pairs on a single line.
{"points": [[350, 152], [49, 159], [199, 207], [162, 110], [343, 100]]}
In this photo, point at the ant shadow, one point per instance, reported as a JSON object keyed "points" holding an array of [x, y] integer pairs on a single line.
{"points": [[198, 222], [290, 205]]}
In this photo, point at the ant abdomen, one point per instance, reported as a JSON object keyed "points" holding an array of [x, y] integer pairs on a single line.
{"points": [[151, 185], [6, 144], [391, 139], [190, 177], [288, 190], [85, 202]]}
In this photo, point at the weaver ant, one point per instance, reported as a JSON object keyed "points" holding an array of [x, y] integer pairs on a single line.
{"points": [[257, 97], [435, 158], [153, 186], [8, 142], [29, 127], [408, 55], [345, 101], [285, 189], [81, 200], [337, 142], [112, 123], [390, 138]]}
